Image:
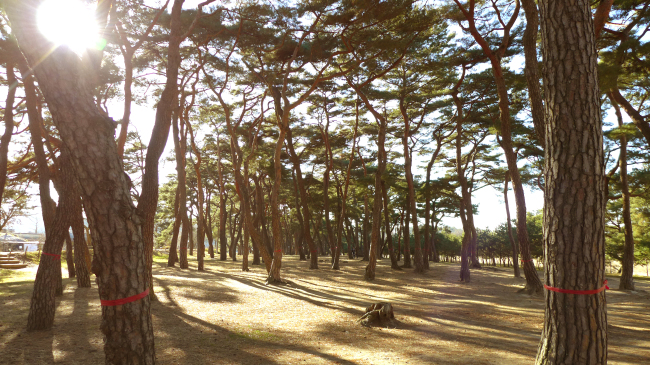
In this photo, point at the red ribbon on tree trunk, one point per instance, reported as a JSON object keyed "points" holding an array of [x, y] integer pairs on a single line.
{"points": [[112, 303], [52, 254], [579, 292]]}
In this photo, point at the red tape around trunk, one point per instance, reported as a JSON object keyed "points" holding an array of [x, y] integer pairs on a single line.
{"points": [[112, 303], [526, 260], [579, 292], [280, 251], [52, 254]]}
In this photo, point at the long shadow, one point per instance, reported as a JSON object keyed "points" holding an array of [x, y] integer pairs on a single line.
{"points": [[205, 342]]}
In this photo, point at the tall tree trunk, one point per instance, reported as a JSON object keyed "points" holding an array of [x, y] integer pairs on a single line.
{"points": [[200, 221], [341, 216], [173, 247], [208, 223], [575, 326], [464, 265], [407, 234], [533, 284], [179, 147], [82, 255], [148, 201], [276, 265], [531, 68], [515, 253], [42, 307], [304, 200], [377, 204], [9, 126], [119, 261], [222, 208], [391, 250], [627, 271], [419, 265]]}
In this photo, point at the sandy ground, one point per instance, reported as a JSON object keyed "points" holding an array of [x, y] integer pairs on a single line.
{"points": [[225, 316]]}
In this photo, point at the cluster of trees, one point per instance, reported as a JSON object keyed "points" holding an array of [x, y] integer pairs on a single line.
{"points": [[297, 128]]}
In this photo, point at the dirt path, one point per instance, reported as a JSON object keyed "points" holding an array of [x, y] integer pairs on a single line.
{"points": [[224, 316]]}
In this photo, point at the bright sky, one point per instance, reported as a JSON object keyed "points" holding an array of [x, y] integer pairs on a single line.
{"points": [[491, 211]]}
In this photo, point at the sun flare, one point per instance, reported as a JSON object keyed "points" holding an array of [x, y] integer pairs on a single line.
{"points": [[69, 22]]}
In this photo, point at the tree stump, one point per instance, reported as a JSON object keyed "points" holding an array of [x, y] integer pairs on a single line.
{"points": [[378, 314]]}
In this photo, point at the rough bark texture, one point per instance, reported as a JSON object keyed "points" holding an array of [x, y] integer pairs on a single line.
{"points": [[173, 247], [179, 148], [119, 260], [575, 326], [82, 255]]}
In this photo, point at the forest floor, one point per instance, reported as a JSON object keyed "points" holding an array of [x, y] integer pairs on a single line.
{"points": [[226, 316]]}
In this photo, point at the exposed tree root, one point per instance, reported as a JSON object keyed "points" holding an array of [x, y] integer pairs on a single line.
{"points": [[378, 314]]}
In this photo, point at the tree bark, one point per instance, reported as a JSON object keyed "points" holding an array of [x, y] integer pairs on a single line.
{"points": [[223, 256], [179, 147], [515, 253], [119, 260], [627, 271], [9, 126], [575, 326], [69, 255], [531, 69], [304, 200], [43, 306], [419, 266], [375, 243], [148, 201], [173, 247], [389, 237]]}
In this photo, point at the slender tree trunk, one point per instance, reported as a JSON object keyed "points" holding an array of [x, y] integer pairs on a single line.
{"points": [[515, 253], [407, 234], [419, 265], [69, 255], [627, 272], [173, 247], [222, 208], [42, 308], [464, 266], [179, 146], [276, 265], [9, 126], [81, 257], [148, 202], [304, 200], [377, 204], [389, 237], [208, 224], [575, 325], [531, 69], [341, 217]]}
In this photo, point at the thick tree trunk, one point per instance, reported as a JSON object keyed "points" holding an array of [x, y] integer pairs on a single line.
{"points": [[515, 252], [575, 325], [627, 271], [119, 261]]}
